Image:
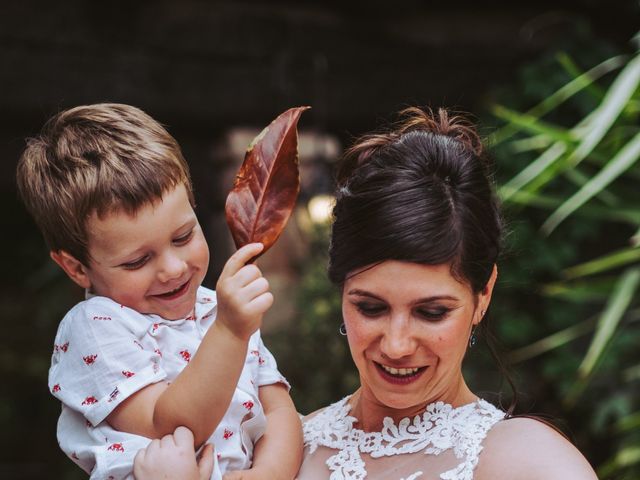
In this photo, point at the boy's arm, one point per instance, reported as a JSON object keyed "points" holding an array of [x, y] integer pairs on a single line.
{"points": [[201, 393], [278, 454]]}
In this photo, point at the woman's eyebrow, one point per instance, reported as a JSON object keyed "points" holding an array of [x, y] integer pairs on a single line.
{"points": [[364, 293]]}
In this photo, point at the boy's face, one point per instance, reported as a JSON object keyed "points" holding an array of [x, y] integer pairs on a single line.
{"points": [[152, 262]]}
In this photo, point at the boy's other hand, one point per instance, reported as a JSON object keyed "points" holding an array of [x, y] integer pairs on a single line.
{"points": [[173, 458], [243, 293]]}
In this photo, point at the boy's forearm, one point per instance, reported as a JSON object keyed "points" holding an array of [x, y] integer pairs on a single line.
{"points": [[279, 452], [199, 397]]}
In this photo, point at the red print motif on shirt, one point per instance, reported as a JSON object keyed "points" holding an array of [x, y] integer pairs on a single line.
{"points": [[260, 361], [207, 315], [90, 359], [207, 299], [255, 352], [127, 373], [99, 317], [113, 395], [64, 347], [248, 404], [116, 447], [186, 356], [56, 388], [155, 327], [90, 400], [157, 350], [227, 434]]}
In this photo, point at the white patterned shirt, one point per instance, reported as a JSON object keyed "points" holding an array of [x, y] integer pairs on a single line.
{"points": [[105, 352]]}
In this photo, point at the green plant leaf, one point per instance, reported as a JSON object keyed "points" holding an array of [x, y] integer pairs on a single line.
{"points": [[604, 263], [616, 306], [624, 458], [534, 124], [627, 214], [561, 95], [551, 342], [623, 160], [532, 171], [601, 119]]}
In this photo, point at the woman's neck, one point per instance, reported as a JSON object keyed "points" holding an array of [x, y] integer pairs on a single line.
{"points": [[370, 412]]}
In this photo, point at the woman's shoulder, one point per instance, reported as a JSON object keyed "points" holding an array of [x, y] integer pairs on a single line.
{"points": [[527, 449]]}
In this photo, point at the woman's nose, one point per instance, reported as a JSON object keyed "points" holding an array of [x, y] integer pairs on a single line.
{"points": [[172, 266], [398, 341]]}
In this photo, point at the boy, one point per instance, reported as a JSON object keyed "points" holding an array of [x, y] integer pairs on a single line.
{"points": [[150, 349]]}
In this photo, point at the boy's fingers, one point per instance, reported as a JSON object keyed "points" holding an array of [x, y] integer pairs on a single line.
{"points": [[205, 463], [139, 456], [183, 436], [240, 258], [261, 304], [168, 442], [255, 289], [153, 447]]}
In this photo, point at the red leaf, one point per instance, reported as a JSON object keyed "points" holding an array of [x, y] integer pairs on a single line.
{"points": [[266, 187]]}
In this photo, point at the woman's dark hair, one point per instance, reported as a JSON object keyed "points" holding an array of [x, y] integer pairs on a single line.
{"points": [[420, 191]]}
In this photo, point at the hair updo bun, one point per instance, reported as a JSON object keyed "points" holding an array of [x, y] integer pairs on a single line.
{"points": [[421, 192]]}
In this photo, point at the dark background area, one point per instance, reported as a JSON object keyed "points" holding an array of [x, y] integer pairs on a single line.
{"points": [[203, 68]]}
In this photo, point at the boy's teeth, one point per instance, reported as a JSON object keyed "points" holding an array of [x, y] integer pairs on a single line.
{"points": [[399, 371]]}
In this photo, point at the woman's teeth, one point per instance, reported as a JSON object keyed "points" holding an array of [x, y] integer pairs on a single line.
{"points": [[400, 371]]}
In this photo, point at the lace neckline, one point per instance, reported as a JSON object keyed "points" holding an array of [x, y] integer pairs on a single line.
{"points": [[439, 428]]}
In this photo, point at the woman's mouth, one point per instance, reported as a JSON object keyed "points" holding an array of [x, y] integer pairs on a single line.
{"points": [[400, 376]]}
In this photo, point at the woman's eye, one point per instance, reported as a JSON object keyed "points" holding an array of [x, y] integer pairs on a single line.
{"points": [[139, 263], [433, 313], [370, 310], [183, 239]]}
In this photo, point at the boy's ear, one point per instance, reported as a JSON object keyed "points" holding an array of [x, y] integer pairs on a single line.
{"points": [[72, 267]]}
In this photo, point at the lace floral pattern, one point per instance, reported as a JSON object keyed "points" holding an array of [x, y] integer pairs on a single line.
{"points": [[441, 427]]}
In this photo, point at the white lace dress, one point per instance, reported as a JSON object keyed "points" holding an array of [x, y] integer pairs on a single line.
{"points": [[442, 443]]}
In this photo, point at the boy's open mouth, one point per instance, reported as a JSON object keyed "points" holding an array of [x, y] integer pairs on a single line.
{"points": [[174, 293]]}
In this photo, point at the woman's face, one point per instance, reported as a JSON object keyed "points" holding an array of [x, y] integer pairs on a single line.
{"points": [[408, 327]]}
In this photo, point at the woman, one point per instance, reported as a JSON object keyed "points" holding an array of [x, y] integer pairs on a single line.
{"points": [[414, 245]]}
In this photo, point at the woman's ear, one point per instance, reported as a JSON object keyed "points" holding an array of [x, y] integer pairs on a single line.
{"points": [[75, 270], [484, 297]]}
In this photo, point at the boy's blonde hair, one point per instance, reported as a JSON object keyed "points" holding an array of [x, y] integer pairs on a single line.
{"points": [[96, 159]]}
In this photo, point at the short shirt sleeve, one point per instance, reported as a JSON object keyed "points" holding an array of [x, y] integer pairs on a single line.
{"points": [[101, 357], [268, 372]]}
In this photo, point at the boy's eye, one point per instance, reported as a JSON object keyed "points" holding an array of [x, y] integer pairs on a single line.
{"points": [[136, 263], [181, 240], [433, 313], [370, 309]]}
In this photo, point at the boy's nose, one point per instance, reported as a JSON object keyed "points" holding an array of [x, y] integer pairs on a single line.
{"points": [[172, 267]]}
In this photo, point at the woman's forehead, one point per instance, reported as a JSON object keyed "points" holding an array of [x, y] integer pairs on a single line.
{"points": [[394, 277]]}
